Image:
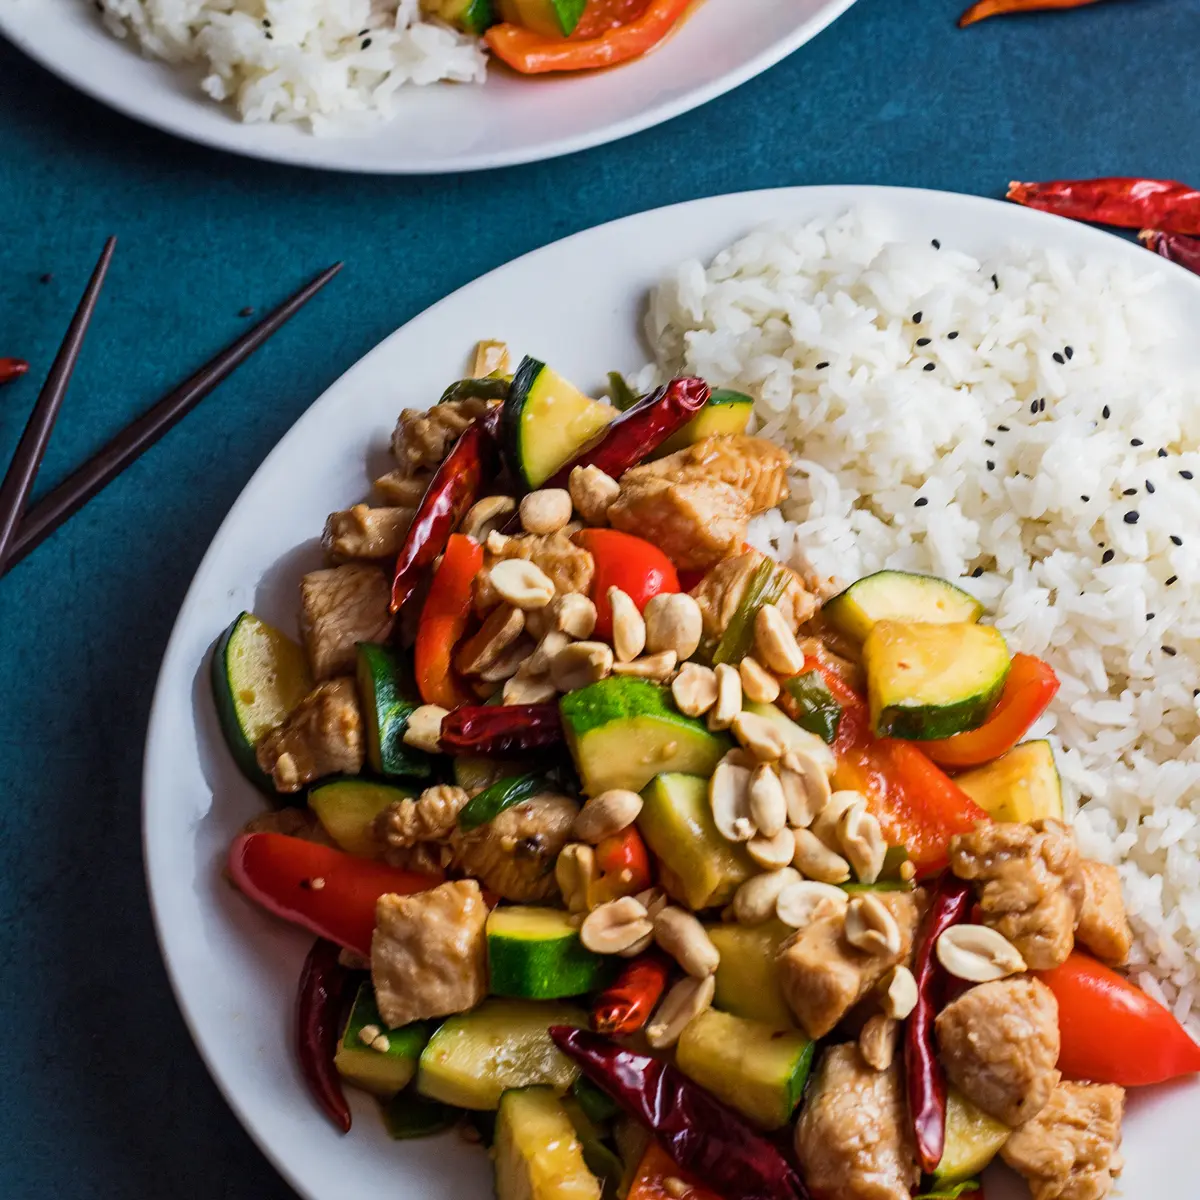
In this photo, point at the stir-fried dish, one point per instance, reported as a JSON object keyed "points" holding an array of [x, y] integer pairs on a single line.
{"points": [[648, 861]]}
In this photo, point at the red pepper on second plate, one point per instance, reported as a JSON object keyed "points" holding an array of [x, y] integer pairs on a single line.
{"points": [[1129, 203], [327, 891], [641, 570], [625, 1006], [696, 1130], [1174, 247], [998, 8], [492, 729], [444, 619], [319, 999], [624, 864], [12, 368]]}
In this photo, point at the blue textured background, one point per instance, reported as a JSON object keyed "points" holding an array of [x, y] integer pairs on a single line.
{"points": [[103, 1094]]}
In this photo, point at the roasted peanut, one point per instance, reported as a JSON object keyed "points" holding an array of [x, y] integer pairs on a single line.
{"points": [[729, 698], [680, 935], [694, 689], [758, 684], [545, 511], [775, 643], [592, 491], [521, 583], [607, 814], [673, 622], [628, 626], [424, 728]]}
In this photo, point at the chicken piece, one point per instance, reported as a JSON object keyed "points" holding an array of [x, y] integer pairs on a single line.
{"points": [[323, 736], [721, 590], [852, 1138], [999, 1043], [755, 467], [362, 532], [429, 952], [431, 817], [569, 567], [424, 436], [823, 977], [401, 490], [426, 858], [1029, 889], [1103, 925], [291, 822], [695, 524], [340, 607], [514, 855], [1069, 1151]]}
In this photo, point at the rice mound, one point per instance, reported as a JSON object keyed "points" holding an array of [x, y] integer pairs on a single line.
{"points": [[983, 421], [331, 63]]}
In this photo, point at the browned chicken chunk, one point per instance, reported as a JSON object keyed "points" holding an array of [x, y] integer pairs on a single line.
{"points": [[340, 607], [823, 977], [323, 736], [721, 590], [852, 1137], [569, 567], [1028, 885], [362, 532], [514, 855], [1103, 925], [400, 490], [999, 1043], [423, 437], [430, 817], [428, 952], [1069, 1151]]}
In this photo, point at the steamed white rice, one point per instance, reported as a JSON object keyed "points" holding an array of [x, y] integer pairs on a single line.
{"points": [[941, 457], [333, 64]]}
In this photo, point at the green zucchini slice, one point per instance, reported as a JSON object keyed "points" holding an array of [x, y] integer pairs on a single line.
{"points": [[898, 596], [538, 1154], [347, 807], [386, 1067], [1022, 785], [535, 953], [383, 690], [409, 1115], [550, 18], [727, 412]]}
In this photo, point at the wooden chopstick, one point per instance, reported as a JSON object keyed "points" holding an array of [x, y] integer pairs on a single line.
{"points": [[102, 468], [23, 469]]}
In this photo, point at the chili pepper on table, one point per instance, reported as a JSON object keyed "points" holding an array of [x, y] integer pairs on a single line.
{"points": [[641, 570], [454, 487], [12, 368], [998, 8], [327, 891], [1130, 203], [1112, 1031], [319, 1000], [591, 46], [625, 1006], [651, 1182], [624, 865], [926, 1081], [697, 1131], [444, 619], [491, 729], [1174, 247]]}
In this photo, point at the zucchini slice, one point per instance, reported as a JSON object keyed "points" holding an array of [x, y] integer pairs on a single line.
{"points": [[538, 1155], [536, 953], [547, 421], [550, 18], [259, 676], [898, 596], [386, 708], [930, 681], [409, 1115], [973, 1139], [1022, 785], [471, 16], [726, 412], [346, 808], [382, 1072]]}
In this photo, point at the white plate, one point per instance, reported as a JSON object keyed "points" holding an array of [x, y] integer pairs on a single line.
{"points": [[444, 127], [233, 968]]}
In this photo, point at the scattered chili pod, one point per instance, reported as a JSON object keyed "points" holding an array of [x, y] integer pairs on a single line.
{"points": [[494, 729], [625, 1007], [639, 430], [1129, 203], [999, 8], [700, 1134], [319, 1000], [454, 488], [12, 368], [926, 1079], [1174, 247]]}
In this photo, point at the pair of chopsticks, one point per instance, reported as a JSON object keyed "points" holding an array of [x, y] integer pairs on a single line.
{"points": [[21, 531]]}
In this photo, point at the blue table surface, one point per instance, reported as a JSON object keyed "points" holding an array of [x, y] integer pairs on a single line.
{"points": [[104, 1094]]}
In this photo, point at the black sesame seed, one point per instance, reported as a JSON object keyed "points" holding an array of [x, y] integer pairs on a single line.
{"points": [[1129, 492], [924, 341], [1100, 544], [1185, 475], [991, 466], [1195, 693], [995, 283], [246, 312], [1131, 517], [1069, 352], [1149, 487], [1106, 412], [1108, 556], [936, 244], [952, 335], [1058, 358], [1002, 428], [363, 32], [921, 501], [1150, 616], [1169, 650], [917, 317], [1173, 579], [1042, 404], [366, 43], [269, 36], [1085, 499], [822, 365], [989, 441], [1135, 441], [266, 22], [930, 367], [1162, 453], [1176, 539], [1033, 407], [975, 574]]}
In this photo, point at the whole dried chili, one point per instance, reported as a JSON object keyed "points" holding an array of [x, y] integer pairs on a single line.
{"points": [[12, 368], [319, 1000], [1174, 247], [999, 8], [495, 729], [454, 488], [926, 1080], [1128, 203], [700, 1134], [625, 1006]]}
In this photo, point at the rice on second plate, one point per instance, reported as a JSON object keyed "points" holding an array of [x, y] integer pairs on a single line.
{"points": [[1012, 424], [331, 63]]}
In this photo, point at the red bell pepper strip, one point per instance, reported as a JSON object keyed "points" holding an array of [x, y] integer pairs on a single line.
{"points": [[1174, 247], [324, 983], [1028, 690], [653, 1173], [443, 621], [625, 1006], [534, 54], [641, 570], [1129, 203], [696, 1130], [12, 368], [1111, 1031], [624, 864], [454, 487], [926, 1081], [327, 891]]}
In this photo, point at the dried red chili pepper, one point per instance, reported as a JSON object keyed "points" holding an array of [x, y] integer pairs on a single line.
{"points": [[12, 368], [1128, 203], [926, 1079], [454, 488], [701, 1134], [1174, 247], [319, 1000], [501, 729], [625, 1006], [999, 8]]}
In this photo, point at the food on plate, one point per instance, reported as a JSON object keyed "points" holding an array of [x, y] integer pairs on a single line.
{"points": [[338, 66], [622, 834], [1174, 247], [1129, 203], [12, 368], [983, 9]]}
